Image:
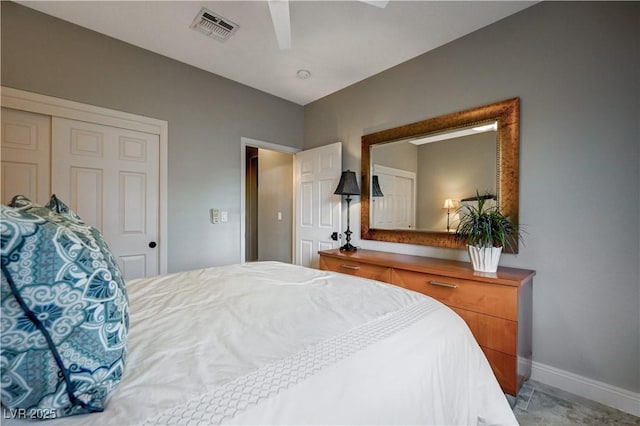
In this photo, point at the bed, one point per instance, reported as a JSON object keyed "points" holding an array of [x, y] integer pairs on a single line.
{"points": [[257, 343]]}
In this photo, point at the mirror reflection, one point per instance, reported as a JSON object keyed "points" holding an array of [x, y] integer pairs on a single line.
{"points": [[450, 168], [423, 178]]}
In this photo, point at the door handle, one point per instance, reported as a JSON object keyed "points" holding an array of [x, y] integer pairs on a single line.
{"points": [[334, 236], [152, 244]]}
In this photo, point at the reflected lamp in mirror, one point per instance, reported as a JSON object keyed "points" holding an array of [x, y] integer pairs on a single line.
{"points": [[375, 187], [348, 186], [449, 204]]}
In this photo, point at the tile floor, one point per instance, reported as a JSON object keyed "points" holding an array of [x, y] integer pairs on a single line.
{"points": [[539, 404]]}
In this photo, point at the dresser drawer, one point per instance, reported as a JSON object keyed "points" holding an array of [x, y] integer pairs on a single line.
{"points": [[491, 332], [359, 269], [505, 368], [495, 300]]}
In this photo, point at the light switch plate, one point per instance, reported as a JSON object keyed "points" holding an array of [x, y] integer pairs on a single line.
{"points": [[215, 215]]}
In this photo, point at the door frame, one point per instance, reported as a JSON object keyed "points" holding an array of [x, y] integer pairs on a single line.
{"points": [[52, 106], [244, 142]]}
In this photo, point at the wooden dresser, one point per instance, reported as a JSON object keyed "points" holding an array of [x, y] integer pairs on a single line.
{"points": [[497, 307]]}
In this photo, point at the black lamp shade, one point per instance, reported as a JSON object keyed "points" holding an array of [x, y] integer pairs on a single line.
{"points": [[375, 187], [348, 184]]}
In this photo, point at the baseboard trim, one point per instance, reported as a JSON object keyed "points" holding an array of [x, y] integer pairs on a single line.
{"points": [[603, 393]]}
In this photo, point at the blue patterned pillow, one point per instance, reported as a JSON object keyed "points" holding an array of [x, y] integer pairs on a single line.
{"points": [[64, 312]]}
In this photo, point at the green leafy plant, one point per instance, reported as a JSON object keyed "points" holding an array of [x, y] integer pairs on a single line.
{"points": [[485, 226]]}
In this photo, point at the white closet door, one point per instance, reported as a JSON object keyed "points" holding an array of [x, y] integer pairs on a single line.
{"points": [[26, 150], [110, 177]]}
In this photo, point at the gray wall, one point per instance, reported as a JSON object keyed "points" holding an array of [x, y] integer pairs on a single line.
{"points": [[456, 169], [397, 155], [275, 194], [575, 66], [207, 116]]}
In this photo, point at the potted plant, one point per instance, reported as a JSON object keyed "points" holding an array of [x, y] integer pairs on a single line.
{"points": [[486, 231]]}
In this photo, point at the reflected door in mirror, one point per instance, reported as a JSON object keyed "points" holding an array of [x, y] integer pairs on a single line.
{"points": [[396, 209]]}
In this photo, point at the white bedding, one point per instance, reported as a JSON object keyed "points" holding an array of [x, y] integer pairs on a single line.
{"points": [[272, 343]]}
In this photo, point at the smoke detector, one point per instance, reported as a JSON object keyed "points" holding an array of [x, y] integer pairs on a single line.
{"points": [[303, 74], [213, 25]]}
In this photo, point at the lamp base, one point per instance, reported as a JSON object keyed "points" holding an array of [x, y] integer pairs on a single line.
{"points": [[348, 247]]}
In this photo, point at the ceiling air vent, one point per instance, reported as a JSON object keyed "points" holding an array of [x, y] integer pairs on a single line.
{"points": [[213, 25]]}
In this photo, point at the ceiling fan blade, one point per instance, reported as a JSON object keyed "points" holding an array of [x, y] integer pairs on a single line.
{"points": [[377, 3], [281, 22]]}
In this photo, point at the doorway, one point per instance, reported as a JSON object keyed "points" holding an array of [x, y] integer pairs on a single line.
{"points": [[251, 203], [314, 176], [267, 202]]}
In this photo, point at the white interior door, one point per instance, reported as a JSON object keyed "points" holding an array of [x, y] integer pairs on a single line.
{"points": [[110, 177], [396, 210], [26, 156], [318, 209]]}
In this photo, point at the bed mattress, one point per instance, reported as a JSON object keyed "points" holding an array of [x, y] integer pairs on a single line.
{"points": [[273, 343]]}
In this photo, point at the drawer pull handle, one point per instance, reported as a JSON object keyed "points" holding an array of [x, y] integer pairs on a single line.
{"points": [[441, 284], [355, 268]]}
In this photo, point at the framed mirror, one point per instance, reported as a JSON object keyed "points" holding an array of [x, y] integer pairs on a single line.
{"points": [[420, 168]]}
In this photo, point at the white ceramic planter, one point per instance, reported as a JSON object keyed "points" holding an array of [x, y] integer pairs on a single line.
{"points": [[484, 259]]}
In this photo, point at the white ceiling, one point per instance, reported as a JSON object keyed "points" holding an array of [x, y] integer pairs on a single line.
{"points": [[339, 42]]}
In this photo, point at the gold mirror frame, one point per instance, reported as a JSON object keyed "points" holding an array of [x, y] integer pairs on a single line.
{"points": [[506, 112]]}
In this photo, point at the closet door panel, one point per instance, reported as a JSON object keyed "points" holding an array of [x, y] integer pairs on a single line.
{"points": [[25, 153], [111, 177]]}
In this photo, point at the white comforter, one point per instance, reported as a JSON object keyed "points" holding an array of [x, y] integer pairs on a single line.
{"points": [[272, 343]]}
